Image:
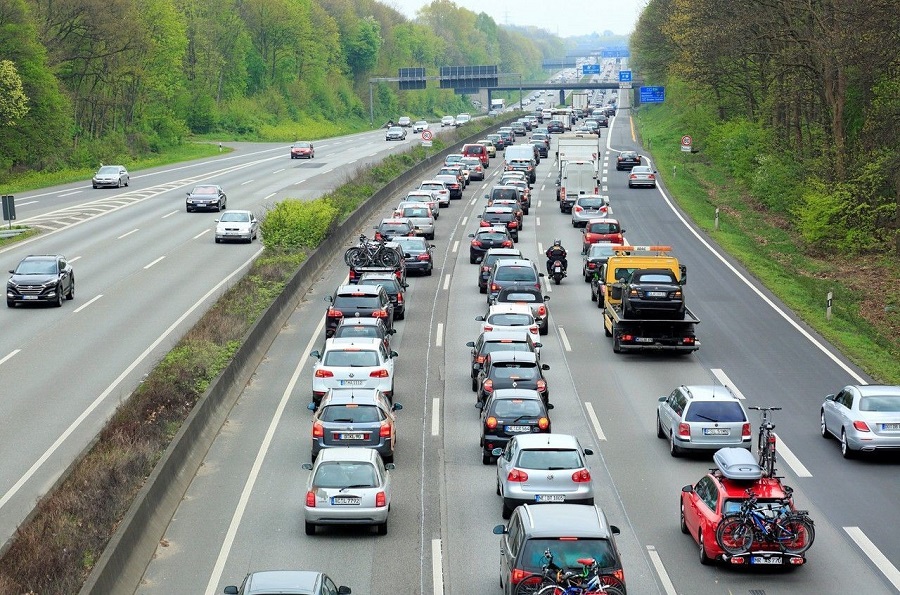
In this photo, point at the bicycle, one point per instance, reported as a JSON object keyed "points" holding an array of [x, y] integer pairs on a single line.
{"points": [[553, 580], [765, 444], [371, 253], [792, 530]]}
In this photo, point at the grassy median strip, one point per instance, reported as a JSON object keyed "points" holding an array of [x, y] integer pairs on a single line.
{"points": [[55, 551]]}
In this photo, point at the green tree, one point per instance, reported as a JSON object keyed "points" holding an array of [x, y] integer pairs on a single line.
{"points": [[363, 45], [13, 102]]}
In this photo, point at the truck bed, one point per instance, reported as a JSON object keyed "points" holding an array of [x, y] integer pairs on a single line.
{"points": [[650, 334]]}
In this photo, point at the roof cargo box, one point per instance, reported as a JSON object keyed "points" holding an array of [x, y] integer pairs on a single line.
{"points": [[737, 464]]}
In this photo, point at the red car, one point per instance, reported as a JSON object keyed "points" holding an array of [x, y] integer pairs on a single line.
{"points": [[720, 492], [602, 230], [302, 150]]}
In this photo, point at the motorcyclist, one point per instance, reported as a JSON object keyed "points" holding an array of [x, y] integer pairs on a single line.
{"points": [[389, 124], [556, 252]]}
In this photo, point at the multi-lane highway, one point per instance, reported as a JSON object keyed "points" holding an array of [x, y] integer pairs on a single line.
{"points": [[244, 510], [145, 270]]}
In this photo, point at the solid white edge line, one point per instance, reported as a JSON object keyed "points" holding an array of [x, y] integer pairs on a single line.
{"points": [[437, 567], [126, 234], [878, 559], [69, 193], [439, 335], [594, 421], [9, 355], [228, 541], [154, 262], [435, 417], [668, 587], [723, 378], [446, 281], [246, 182], [788, 456], [269, 196], [87, 303], [564, 338]]}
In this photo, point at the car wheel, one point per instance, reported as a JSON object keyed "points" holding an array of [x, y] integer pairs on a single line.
{"points": [[127, 181], [704, 559], [188, 209], [674, 449], [381, 528], [482, 289], [846, 452], [498, 486], [507, 511], [70, 295], [683, 525], [389, 458], [429, 271], [474, 384], [310, 528], [659, 429], [59, 296], [823, 428], [218, 240], [543, 330], [94, 185], [119, 183], [486, 459], [472, 260], [430, 237], [10, 304]]}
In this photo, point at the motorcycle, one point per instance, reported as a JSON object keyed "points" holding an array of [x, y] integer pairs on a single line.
{"points": [[557, 272]]}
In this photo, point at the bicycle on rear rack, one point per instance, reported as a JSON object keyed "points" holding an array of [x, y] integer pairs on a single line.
{"points": [[765, 444]]}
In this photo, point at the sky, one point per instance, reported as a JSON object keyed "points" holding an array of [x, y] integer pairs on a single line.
{"points": [[580, 17]]}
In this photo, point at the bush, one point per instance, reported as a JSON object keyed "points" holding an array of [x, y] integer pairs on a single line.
{"points": [[820, 216], [298, 224]]}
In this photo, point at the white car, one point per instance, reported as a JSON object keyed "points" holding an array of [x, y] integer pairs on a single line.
{"points": [[463, 119], [513, 317], [420, 126], [448, 121], [235, 225], [437, 189], [404, 121], [353, 362], [424, 196]]}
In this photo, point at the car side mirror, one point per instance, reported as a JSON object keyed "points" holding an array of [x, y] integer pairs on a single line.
{"points": [[499, 530], [342, 590], [394, 354], [396, 407], [545, 366], [588, 451], [497, 452], [688, 489], [217, 220], [329, 298], [407, 255], [479, 216], [479, 405], [471, 235], [830, 397], [662, 399], [390, 331], [470, 344], [188, 193], [540, 274], [405, 285], [389, 466], [311, 406], [623, 230], [307, 466], [231, 590], [682, 269], [615, 530], [546, 298], [479, 318]]}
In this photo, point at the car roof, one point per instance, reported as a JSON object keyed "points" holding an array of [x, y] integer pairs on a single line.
{"points": [[515, 262], [710, 392], [517, 393], [603, 220], [764, 487], [354, 321], [395, 220], [498, 210], [529, 441], [379, 276], [43, 257], [525, 357], [509, 307], [491, 336], [349, 453], [564, 520], [876, 390], [514, 253], [297, 582], [344, 396], [350, 289], [341, 343]]}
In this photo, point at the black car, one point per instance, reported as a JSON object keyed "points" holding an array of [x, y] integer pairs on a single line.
{"points": [[602, 120], [389, 229], [653, 293], [503, 216], [208, 197], [417, 254], [395, 289], [595, 258], [541, 146], [512, 369], [43, 278], [485, 239], [498, 140], [487, 263], [627, 159], [511, 412], [349, 301], [556, 127], [491, 341]]}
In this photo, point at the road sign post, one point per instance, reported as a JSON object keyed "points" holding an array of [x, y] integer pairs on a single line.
{"points": [[9, 208], [427, 135], [686, 143]]}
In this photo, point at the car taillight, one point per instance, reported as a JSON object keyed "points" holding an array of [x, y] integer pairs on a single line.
{"points": [[487, 328], [861, 426], [577, 209], [495, 287], [513, 223], [506, 244], [385, 430], [332, 313], [592, 265], [517, 575], [562, 190], [745, 431], [311, 499], [684, 430], [479, 359], [485, 269], [488, 386], [423, 256], [619, 574], [318, 430], [651, 177], [476, 243], [380, 314], [324, 374], [485, 223], [491, 422], [380, 500], [581, 476], [378, 235], [517, 475], [633, 176], [379, 373], [543, 423], [533, 330], [541, 385], [399, 297], [542, 310]]}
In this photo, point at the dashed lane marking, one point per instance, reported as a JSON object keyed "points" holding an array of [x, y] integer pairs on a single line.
{"points": [[455, 246], [668, 587], [154, 262], [126, 234], [87, 303], [439, 335], [595, 422], [447, 282], [435, 417], [565, 339]]}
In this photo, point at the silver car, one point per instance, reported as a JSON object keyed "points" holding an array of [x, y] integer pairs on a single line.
{"points": [[589, 206], [702, 418], [348, 486], [865, 418], [439, 190], [543, 468], [111, 176], [421, 218], [355, 417], [642, 175]]}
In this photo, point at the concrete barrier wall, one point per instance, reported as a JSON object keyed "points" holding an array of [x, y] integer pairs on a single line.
{"points": [[131, 548]]}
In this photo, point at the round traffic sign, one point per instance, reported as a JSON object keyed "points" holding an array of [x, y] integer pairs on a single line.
{"points": [[427, 135], [686, 140]]}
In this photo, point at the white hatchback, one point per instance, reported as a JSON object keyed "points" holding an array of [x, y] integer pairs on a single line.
{"points": [[353, 363], [510, 317]]}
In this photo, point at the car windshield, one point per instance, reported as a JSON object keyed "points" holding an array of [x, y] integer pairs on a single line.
{"points": [[351, 413], [301, 145], [108, 169], [36, 267], [639, 277], [515, 273], [549, 459], [566, 553], [510, 319], [889, 403], [517, 408], [504, 193], [514, 371], [492, 346], [603, 228], [351, 359], [393, 228], [338, 474], [204, 190], [236, 217], [354, 302], [715, 411], [357, 330], [520, 296], [591, 202]]}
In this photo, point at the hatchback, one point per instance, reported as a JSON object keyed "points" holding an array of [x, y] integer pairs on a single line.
{"points": [[417, 254], [596, 257], [491, 341], [421, 218], [287, 582], [395, 290], [360, 328], [350, 301], [512, 272], [589, 206], [452, 184], [110, 176], [302, 150], [511, 369], [476, 168], [438, 190], [530, 296], [355, 417], [642, 175], [388, 229], [702, 418], [601, 230], [206, 196], [492, 216], [353, 363], [510, 317], [511, 412], [486, 238], [348, 486], [487, 264], [420, 198]]}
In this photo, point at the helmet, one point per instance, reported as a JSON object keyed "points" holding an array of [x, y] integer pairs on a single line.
{"points": [[557, 242]]}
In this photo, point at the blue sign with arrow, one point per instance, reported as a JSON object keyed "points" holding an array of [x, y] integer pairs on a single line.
{"points": [[590, 69], [624, 76]]}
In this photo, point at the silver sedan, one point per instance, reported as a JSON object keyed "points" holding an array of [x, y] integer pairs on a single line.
{"points": [[864, 418], [590, 206], [642, 175]]}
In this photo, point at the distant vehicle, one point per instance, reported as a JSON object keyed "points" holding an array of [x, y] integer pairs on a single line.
{"points": [[864, 418], [302, 150], [395, 133], [642, 175], [111, 176], [627, 160], [420, 126], [236, 225], [448, 121], [463, 119], [404, 121], [43, 278], [209, 197]]}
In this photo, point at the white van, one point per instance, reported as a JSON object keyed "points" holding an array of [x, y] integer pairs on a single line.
{"points": [[577, 178]]}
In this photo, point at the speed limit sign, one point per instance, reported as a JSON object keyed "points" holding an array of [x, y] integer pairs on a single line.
{"points": [[427, 135], [686, 140]]}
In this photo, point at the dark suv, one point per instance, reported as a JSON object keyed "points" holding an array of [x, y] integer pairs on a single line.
{"points": [[511, 412], [395, 289], [353, 300], [512, 369], [41, 278], [491, 341], [487, 264], [505, 273], [653, 293], [501, 216], [569, 531]]}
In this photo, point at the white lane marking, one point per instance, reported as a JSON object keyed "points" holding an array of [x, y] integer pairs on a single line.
{"points": [[115, 383], [213, 584], [278, 171], [540, 248], [474, 201], [439, 335], [463, 222], [170, 214], [74, 259], [605, 188], [270, 196], [564, 338], [543, 187], [9, 355], [328, 171], [245, 182], [603, 179], [446, 282], [435, 417], [202, 233], [537, 220], [880, 560], [30, 202], [726, 382], [668, 587], [547, 287], [455, 246], [354, 161], [154, 262], [298, 183], [126, 234], [788, 456], [594, 421], [437, 567], [87, 303], [549, 174], [70, 193], [539, 204]]}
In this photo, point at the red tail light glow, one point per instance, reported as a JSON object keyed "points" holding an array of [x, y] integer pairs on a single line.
{"points": [[745, 430], [311, 499], [517, 475], [423, 256], [479, 359], [324, 374], [506, 244], [380, 500], [380, 314], [488, 386], [542, 310], [332, 313], [861, 426], [491, 422], [581, 476], [541, 385], [385, 430], [487, 328], [318, 430], [543, 423], [476, 243], [684, 431], [379, 373], [533, 330]]}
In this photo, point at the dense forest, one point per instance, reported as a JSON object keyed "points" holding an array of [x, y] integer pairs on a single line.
{"points": [[800, 97], [86, 80]]}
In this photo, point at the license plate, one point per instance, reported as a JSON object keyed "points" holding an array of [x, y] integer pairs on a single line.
{"points": [[890, 427], [716, 431], [518, 429], [353, 436], [345, 501], [656, 294], [351, 382], [557, 270], [550, 498], [763, 560], [643, 339], [29, 297]]}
